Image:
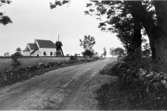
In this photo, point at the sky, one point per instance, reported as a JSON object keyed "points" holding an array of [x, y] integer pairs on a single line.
{"points": [[33, 19]]}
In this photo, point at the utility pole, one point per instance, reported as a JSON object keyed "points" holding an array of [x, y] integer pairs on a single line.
{"points": [[58, 36]]}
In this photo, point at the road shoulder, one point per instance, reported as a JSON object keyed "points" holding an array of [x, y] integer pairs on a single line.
{"points": [[86, 100]]}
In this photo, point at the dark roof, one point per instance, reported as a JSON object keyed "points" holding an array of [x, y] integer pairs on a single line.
{"points": [[45, 44], [33, 46]]}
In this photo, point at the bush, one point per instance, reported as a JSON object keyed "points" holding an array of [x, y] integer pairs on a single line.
{"points": [[141, 81], [73, 58], [20, 74], [15, 57], [88, 53]]}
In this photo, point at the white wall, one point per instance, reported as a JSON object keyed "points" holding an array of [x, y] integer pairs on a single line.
{"points": [[36, 53], [41, 51], [26, 53]]}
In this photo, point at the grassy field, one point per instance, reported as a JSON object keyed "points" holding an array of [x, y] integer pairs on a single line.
{"points": [[6, 63], [33, 66]]}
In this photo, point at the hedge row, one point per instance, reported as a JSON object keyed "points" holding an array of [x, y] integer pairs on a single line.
{"points": [[10, 77], [146, 88]]}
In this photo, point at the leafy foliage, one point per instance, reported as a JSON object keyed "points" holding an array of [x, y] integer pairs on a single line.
{"points": [[146, 88], [87, 43], [124, 18], [58, 3], [3, 18], [113, 17], [88, 53], [104, 52], [18, 49], [118, 51], [15, 57]]}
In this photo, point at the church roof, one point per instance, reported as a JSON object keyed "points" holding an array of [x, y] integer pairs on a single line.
{"points": [[45, 44], [33, 46]]}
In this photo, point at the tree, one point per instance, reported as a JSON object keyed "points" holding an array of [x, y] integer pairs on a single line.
{"points": [[158, 36], [104, 52], [3, 18], [58, 3], [15, 57], [119, 51], [87, 43], [88, 53], [18, 49], [112, 51], [153, 18], [119, 17], [129, 17], [126, 18]]}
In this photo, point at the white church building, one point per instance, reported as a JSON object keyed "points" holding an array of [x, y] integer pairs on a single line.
{"points": [[40, 48]]}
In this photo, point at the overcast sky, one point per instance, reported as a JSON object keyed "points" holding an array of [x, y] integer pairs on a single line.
{"points": [[33, 19]]}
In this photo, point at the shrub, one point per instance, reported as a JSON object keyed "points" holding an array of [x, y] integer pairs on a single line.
{"points": [[73, 58], [15, 57], [88, 53], [141, 87]]}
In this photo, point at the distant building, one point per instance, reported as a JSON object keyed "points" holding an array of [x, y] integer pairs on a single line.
{"points": [[40, 48], [59, 51], [59, 44]]}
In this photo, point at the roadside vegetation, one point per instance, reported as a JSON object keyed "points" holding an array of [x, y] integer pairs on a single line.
{"points": [[19, 73], [142, 70], [15, 56], [87, 44], [136, 87]]}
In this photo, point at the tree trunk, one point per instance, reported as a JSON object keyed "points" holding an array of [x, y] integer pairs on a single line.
{"points": [[158, 44], [158, 38], [137, 37], [136, 41], [157, 33]]}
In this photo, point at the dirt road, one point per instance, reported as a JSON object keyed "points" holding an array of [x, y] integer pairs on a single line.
{"points": [[64, 88]]}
